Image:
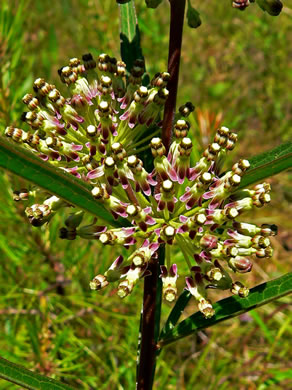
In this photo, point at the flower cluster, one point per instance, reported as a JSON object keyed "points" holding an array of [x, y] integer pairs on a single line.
{"points": [[97, 134], [272, 7]]}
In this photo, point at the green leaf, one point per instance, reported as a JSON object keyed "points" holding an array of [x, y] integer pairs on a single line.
{"points": [[28, 379], [130, 34], [230, 307], [76, 192], [268, 164]]}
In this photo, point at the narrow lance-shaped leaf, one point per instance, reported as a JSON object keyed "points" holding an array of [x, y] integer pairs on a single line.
{"points": [[130, 34], [230, 307], [28, 379], [268, 164], [76, 192]]}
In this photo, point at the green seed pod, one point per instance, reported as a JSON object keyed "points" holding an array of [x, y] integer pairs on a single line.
{"points": [[193, 16]]}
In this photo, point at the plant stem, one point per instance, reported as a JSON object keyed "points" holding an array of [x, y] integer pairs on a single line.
{"points": [[177, 11], [149, 325], [150, 316]]}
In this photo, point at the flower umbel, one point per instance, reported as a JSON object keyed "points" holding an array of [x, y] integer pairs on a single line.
{"points": [[97, 135]]}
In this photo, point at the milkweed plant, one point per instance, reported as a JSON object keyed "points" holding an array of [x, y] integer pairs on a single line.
{"points": [[112, 117]]}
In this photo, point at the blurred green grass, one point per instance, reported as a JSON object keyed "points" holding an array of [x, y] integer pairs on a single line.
{"points": [[238, 65]]}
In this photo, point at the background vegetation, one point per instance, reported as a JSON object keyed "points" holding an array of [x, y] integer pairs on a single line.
{"points": [[237, 69]]}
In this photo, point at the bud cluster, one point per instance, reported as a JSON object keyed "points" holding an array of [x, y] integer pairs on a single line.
{"points": [[240, 4], [96, 134]]}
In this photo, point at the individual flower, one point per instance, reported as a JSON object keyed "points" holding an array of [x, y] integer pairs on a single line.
{"points": [[97, 133]]}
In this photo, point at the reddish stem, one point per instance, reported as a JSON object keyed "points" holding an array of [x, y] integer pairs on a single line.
{"points": [[150, 316], [147, 358], [177, 11]]}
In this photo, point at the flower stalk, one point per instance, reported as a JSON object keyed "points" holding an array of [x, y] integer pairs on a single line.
{"points": [[150, 315], [177, 11]]}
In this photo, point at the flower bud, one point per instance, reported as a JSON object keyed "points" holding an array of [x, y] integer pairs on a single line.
{"points": [[186, 109], [214, 274], [269, 230], [240, 167], [127, 285], [160, 80], [246, 228], [205, 178], [199, 219], [22, 194], [211, 152], [31, 101], [167, 186], [273, 7], [261, 253], [89, 62], [206, 308], [133, 210], [139, 259], [240, 264], [124, 289], [239, 289], [75, 65], [99, 193], [231, 212], [98, 282], [260, 241], [157, 147], [193, 16], [185, 147], [169, 278], [209, 241], [91, 131], [269, 251], [74, 220], [181, 128], [66, 234], [167, 233], [107, 238], [230, 251], [240, 4], [118, 151], [16, 134], [234, 180]]}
